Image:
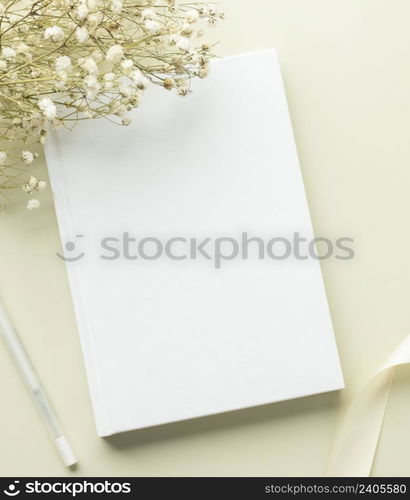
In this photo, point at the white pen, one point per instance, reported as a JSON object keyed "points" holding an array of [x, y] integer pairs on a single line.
{"points": [[8, 333]]}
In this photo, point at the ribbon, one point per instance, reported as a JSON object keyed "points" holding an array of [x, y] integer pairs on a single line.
{"points": [[356, 440]]}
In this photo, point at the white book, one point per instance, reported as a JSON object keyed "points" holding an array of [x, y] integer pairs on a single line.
{"points": [[163, 339]]}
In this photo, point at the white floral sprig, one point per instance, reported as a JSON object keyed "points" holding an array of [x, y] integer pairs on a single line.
{"points": [[62, 61]]}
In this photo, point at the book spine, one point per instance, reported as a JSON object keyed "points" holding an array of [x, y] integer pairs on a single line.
{"points": [[62, 207]]}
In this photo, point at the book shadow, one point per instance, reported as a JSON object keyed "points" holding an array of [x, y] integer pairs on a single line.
{"points": [[221, 421]]}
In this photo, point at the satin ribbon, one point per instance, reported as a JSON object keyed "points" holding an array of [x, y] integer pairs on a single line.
{"points": [[356, 440]]}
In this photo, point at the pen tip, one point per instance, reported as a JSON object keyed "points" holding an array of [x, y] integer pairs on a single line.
{"points": [[65, 451]]}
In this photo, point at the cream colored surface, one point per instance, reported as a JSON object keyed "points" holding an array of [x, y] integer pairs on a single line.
{"points": [[347, 72]]}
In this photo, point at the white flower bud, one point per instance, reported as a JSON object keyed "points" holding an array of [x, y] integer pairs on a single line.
{"points": [[33, 204], [54, 33], [127, 64], [95, 18], [148, 14], [82, 11], [48, 108], [63, 63], [115, 53], [152, 26], [139, 79], [89, 65], [183, 44], [81, 34], [27, 157], [116, 6], [8, 53], [191, 16]]}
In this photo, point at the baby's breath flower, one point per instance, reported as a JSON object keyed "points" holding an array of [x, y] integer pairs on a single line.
{"points": [[89, 65], [92, 85], [33, 204], [169, 83], [148, 14], [203, 72], [116, 6], [152, 26], [22, 48], [8, 53], [94, 19], [127, 65], [48, 108], [191, 16], [139, 79], [183, 43], [81, 34], [30, 185], [63, 63], [118, 109], [126, 90], [82, 10], [115, 53], [75, 59], [61, 80], [97, 55], [54, 33], [27, 157], [109, 80]]}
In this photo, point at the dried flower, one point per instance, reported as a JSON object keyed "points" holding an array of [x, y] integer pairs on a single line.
{"points": [[47, 107], [192, 16], [115, 53], [32, 204], [116, 6], [152, 26], [82, 11], [81, 34], [8, 53], [63, 63], [27, 157], [54, 33], [67, 60], [169, 83]]}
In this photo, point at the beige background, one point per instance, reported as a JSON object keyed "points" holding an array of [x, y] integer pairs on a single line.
{"points": [[346, 66]]}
